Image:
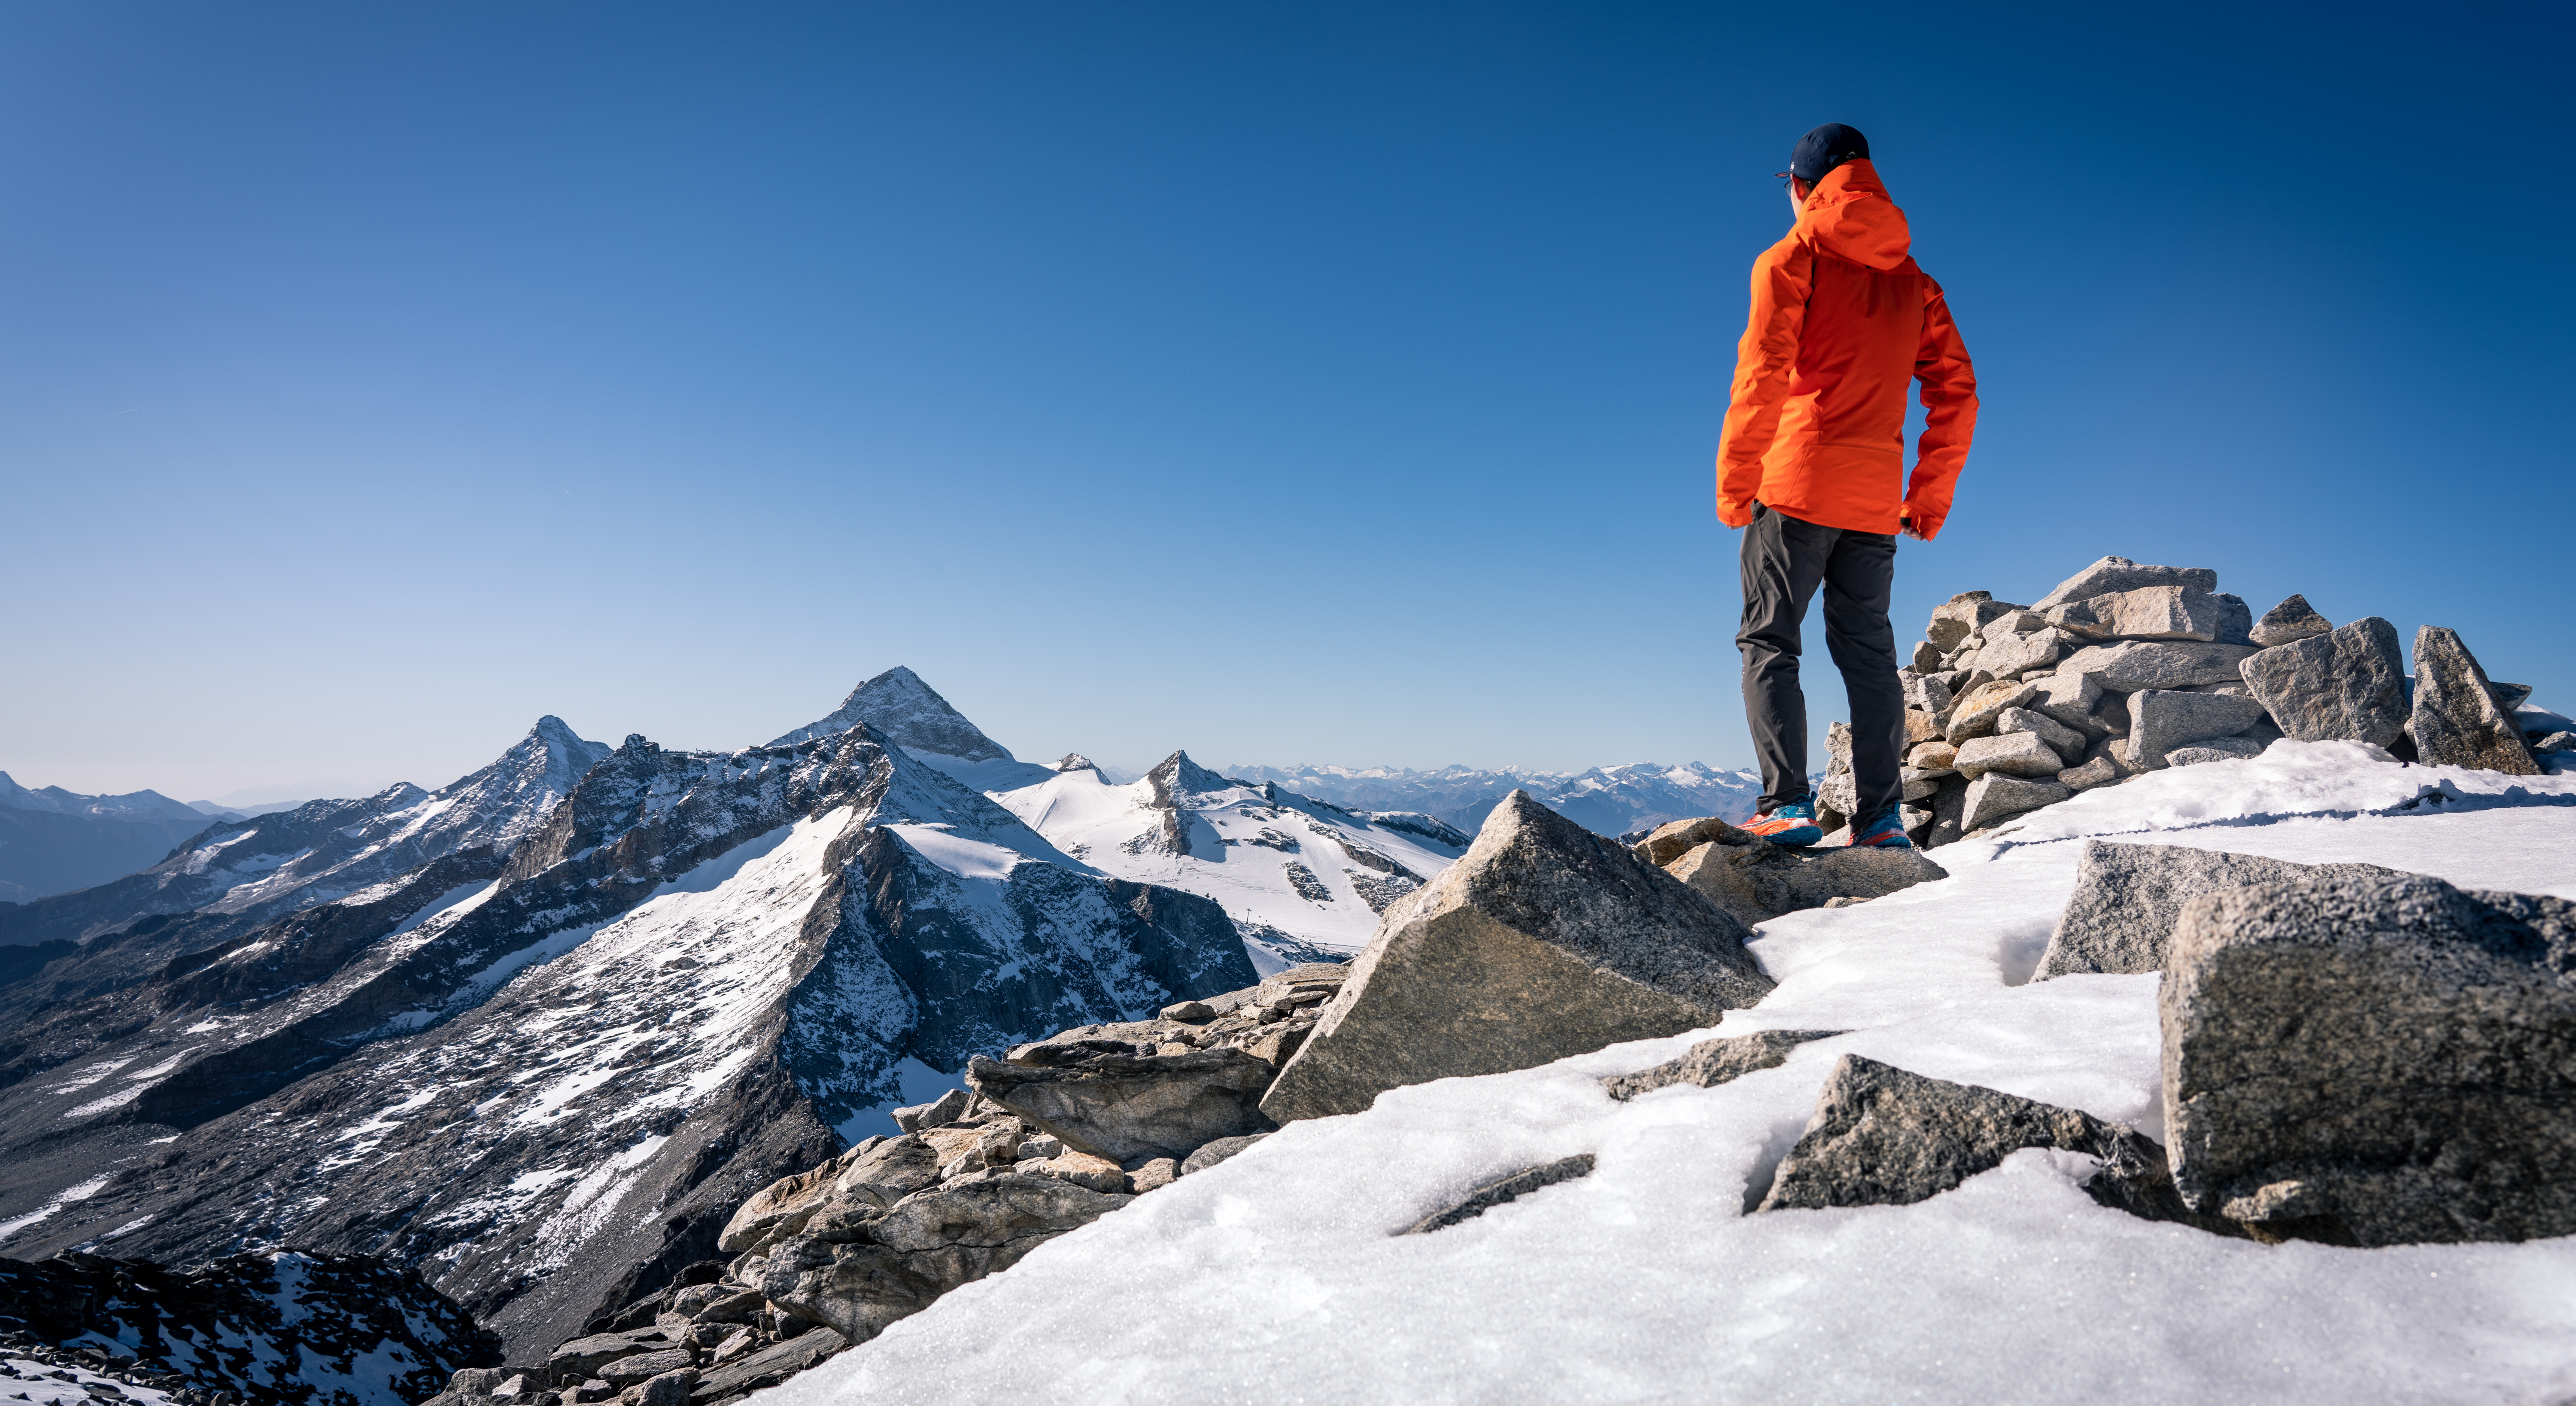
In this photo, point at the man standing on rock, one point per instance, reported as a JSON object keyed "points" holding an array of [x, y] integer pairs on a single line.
{"points": [[1812, 461]]}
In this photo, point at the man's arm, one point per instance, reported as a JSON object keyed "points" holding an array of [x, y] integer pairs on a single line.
{"points": [[1763, 360], [1949, 417]]}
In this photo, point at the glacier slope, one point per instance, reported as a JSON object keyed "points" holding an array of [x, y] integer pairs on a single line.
{"points": [[1303, 880], [1648, 1282]]}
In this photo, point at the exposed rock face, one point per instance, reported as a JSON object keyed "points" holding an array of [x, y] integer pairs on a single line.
{"points": [[1103, 1098], [2348, 684], [2289, 622], [859, 1275], [2160, 720], [1713, 1062], [2112, 574], [2375, 1063], [1544, 940], [897, 706], [1884, 1136], [1510, 1188], [2457, 721], [2133, 665], [2148, 613], [1755, 880], [286, 1328], [2127, 898]]}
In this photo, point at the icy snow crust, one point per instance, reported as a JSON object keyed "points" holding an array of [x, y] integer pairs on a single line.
{"points": [[1303, 880], [1274, 1275]]}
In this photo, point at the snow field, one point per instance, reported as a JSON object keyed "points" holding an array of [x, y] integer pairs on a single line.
{"points": [[1275, 1276]]}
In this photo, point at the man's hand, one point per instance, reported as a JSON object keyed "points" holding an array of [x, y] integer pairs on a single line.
{"points": [[1906, 526]]}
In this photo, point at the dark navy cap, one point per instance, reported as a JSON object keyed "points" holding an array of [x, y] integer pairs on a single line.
{"points": [[1820, 151]]}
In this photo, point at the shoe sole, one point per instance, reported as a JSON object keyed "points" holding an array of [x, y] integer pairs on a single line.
{"points": [[1798, 838]]}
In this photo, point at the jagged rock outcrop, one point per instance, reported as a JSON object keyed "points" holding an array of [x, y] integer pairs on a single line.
{"points": [[1884, 1136], [2127, 898], [1129, 1103], [1545, 940], [2348, 684], [293, 1329], [2374, 1063], [2458, 719]]}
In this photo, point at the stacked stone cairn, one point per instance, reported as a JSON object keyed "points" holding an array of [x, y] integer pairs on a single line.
{"points": [[2127, 669]]}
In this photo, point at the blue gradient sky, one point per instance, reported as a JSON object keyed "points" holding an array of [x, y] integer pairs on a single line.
{"points": [[1287, 383]]}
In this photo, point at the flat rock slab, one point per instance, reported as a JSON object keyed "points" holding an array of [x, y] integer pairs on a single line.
{"points": [[2132, 665], [1757, 880], [2161, 720], [2457, 721], [1713, 1062], [1884, 1136], [2377, 1063], [1125, 1106], [1496, 1193], [2121, 574], [2347, 685], [2148, 613], [2024, 754], [769, 1366], [1542, 941], [1995, 797], [2120, 919]]}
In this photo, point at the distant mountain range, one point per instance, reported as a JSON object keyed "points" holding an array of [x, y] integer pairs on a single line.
{"points": [[55, 841], [1612, 800]]}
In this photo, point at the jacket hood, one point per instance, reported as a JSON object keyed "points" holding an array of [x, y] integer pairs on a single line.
{"points": [[1849, 216]]}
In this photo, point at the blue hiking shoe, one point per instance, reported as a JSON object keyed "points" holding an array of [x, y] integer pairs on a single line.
{"points": [[1792, 824], [1886, 832]]}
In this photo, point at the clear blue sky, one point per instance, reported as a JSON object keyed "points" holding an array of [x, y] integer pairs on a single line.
{"points": [[1288, 383]]}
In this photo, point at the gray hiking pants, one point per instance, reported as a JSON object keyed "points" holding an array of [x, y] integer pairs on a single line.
{"points": [[1784, 561]]}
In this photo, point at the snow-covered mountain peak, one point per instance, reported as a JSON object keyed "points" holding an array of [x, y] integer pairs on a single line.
{"points": [[1178, 780], [909, 713]]}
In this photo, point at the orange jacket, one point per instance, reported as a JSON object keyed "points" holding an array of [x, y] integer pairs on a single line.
{"points": [[1841, 318]]}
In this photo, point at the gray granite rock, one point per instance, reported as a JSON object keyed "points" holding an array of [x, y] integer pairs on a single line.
{"points": [[767, 1367], [1934, 757], [2071, 699], [1884, 1136], [1975, 713], [2120, 919], [2235, 619], [2556, 742], [866, 1274], [1496, 1193], [2292, 620], [1926, 657], [2456, 720], [946, 1109], [2348, 684], [1124, 1105], [2148, 613], [2131, 665], [2161, 720], [2215, 749], [2375, 1063], [1713, 1062], [1217, 1151], [2022, 754], [2121, 574], [1949, 812], [1994, 798], [2014, 655], [1670, 841], [2509, 696], [2095, 771], [1928, 693], [1963, 615], [1757, 881], [1543, 940], [2068, 742]]}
